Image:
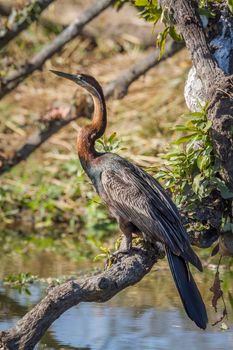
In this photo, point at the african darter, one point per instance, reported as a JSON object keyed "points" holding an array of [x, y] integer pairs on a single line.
{"points": [[138, 202]]}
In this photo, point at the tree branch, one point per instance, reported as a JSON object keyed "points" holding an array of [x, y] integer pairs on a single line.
{"points": [[189, 25], [126, 271], [218, 87], [74, 29], [118, 88], [24, 18]]}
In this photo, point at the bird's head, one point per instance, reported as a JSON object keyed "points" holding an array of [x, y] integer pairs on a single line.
{"points": [[86, 81]]}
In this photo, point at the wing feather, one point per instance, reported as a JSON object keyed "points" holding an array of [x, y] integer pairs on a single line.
{"points": [[137, 196]]}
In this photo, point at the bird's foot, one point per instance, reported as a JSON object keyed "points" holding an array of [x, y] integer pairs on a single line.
{"points": [[121, 251], [125, 248], [114, 257]]}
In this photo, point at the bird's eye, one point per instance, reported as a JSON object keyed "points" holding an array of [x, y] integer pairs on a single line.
{"points": [[79, 77]]}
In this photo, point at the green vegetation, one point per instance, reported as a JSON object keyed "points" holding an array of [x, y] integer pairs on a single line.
{"points": [[20, 281], [191, 170], [49, 203], [58, 203], [151, 11]]}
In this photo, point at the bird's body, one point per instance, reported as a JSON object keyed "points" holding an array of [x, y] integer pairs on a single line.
{"points": [[135, 198], [138, 202]]}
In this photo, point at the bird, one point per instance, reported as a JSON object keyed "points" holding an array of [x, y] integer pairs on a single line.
{"points": [[137, 201]]}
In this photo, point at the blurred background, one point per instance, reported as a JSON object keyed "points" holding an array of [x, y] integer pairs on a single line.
{"points": [[52, 222], [47, 196]]}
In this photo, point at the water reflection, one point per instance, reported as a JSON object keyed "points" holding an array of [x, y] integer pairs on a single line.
{"points": [[109, 328], [146, 316]]}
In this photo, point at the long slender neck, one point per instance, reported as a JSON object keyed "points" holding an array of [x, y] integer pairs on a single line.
{"points": [[90, 133]]}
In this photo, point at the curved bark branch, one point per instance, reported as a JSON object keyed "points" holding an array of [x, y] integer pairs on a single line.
{"points": [[74, 29], [221, 114], [218, 87], [27, 15], [189, 25], [118, 88], [126, 271]]}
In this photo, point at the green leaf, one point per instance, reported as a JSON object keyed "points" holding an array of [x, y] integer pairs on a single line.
{"points": [[105, 249], [230, 299], [182, 128], [175, 36], [141, 2], [161, 41], [100, 257], [203, 162], [185, 139], [208, 125], [224, 190], [27, 291], [112, 137], [230, 5], [192, 115], [197, 182], [100, 142], [206, 12]]}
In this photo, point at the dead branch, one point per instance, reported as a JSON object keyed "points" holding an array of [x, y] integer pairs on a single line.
{"points": [[118, 88], [74, 29], [22, 20], [126, 271]]}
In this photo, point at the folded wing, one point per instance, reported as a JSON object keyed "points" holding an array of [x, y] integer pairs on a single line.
{"points": [[136, 195]]}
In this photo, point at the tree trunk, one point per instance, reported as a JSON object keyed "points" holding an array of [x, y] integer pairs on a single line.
{"points": [[218, 87]]}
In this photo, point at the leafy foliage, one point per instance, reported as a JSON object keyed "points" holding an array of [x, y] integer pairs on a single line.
{"points": [[191, 170], [230, 5], [151, 11], [20, 281], [55, 204], [109, 144]]}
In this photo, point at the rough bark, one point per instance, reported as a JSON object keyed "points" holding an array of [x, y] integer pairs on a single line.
{"points": [[218, 87], [118, 88], [221, 115], [26, 16], [73, 30], [126, 271]]}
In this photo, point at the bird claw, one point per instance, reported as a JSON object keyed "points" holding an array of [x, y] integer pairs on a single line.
{"points": [[114, 257], [125, 248], [120, 252]]}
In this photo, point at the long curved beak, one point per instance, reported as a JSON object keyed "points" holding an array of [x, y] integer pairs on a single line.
{"points": [[72, 77]]}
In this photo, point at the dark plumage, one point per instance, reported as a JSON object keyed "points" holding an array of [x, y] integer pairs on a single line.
{"points": [[138, 202]]}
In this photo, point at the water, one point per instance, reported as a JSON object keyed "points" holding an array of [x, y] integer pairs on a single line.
{"points": [[146, 316]]}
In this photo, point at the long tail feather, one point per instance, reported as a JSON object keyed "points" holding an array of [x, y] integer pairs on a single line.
{"points": [[187, 288], [191, 257]]}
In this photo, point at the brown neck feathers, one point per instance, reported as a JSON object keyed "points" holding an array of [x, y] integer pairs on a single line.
{"points": [[90, 133]]}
